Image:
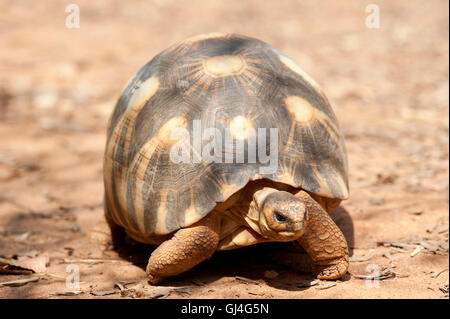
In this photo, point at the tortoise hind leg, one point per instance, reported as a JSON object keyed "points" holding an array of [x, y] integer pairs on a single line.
{"points": [[323, 241], [185, 249]]}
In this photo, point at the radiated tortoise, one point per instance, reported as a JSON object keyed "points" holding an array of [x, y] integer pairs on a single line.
{"points": [[222, 141]]}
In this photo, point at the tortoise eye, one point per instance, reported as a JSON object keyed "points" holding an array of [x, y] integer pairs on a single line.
{"points": [[280, 217]]}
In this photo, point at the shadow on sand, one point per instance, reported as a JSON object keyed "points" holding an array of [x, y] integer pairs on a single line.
{"points": [[289, 260]]}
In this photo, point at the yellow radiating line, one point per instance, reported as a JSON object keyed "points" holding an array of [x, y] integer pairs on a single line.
{"points": [[161, 226], [255, 116], [201, 79], [300, 143], [222, 79], [191, 72], [291, 135], [257, 73], [331, 128], [250, 60], [250, 82], [191, 215], [324, 189], [233, 77], [243, 83], [311, 132], [206, 85], [216, 86]]}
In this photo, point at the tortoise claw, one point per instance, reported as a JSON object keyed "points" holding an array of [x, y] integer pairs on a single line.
{"points": [[332, 271], [154, 280]]}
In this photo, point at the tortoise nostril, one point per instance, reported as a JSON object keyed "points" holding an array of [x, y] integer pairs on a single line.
{"points": [[279, 217]]}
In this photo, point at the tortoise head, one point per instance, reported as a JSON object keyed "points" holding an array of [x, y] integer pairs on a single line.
{"points": [[282, 216]]}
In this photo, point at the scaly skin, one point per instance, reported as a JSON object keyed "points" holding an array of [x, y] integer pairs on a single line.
{"points": [[323, 241], [187, 248]]}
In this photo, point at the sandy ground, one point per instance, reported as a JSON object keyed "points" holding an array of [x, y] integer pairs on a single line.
{"points": [[388, 86]]}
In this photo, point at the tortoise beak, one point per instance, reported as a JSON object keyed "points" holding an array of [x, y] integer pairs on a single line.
{"points": [[296, 227]]}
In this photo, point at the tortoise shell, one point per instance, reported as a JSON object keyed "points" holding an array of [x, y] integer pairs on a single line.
{"points": [[224, 81]]}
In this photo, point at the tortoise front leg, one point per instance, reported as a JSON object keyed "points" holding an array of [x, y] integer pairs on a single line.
{"points": [[323, 241], [187, 248]]}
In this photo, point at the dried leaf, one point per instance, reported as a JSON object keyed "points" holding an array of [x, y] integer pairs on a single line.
{"points": [[9, 267], [436, 274], [428, 246], [131, 293], [55, 276], [159, 293], [38, 264], [122, 284], [104, 292], [67, 293], [444, 288], [384, 275], [255, 293], [387, 255], [305, 284], [442, 229], [399, 275], [90, 261], [398, 250], [28, 253], [444, 246], [332, 284], [416, 251], [246, 280], [19, 282], [396, 244], [184, 290], [23, 237], [360, 258], [25, 266]]}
